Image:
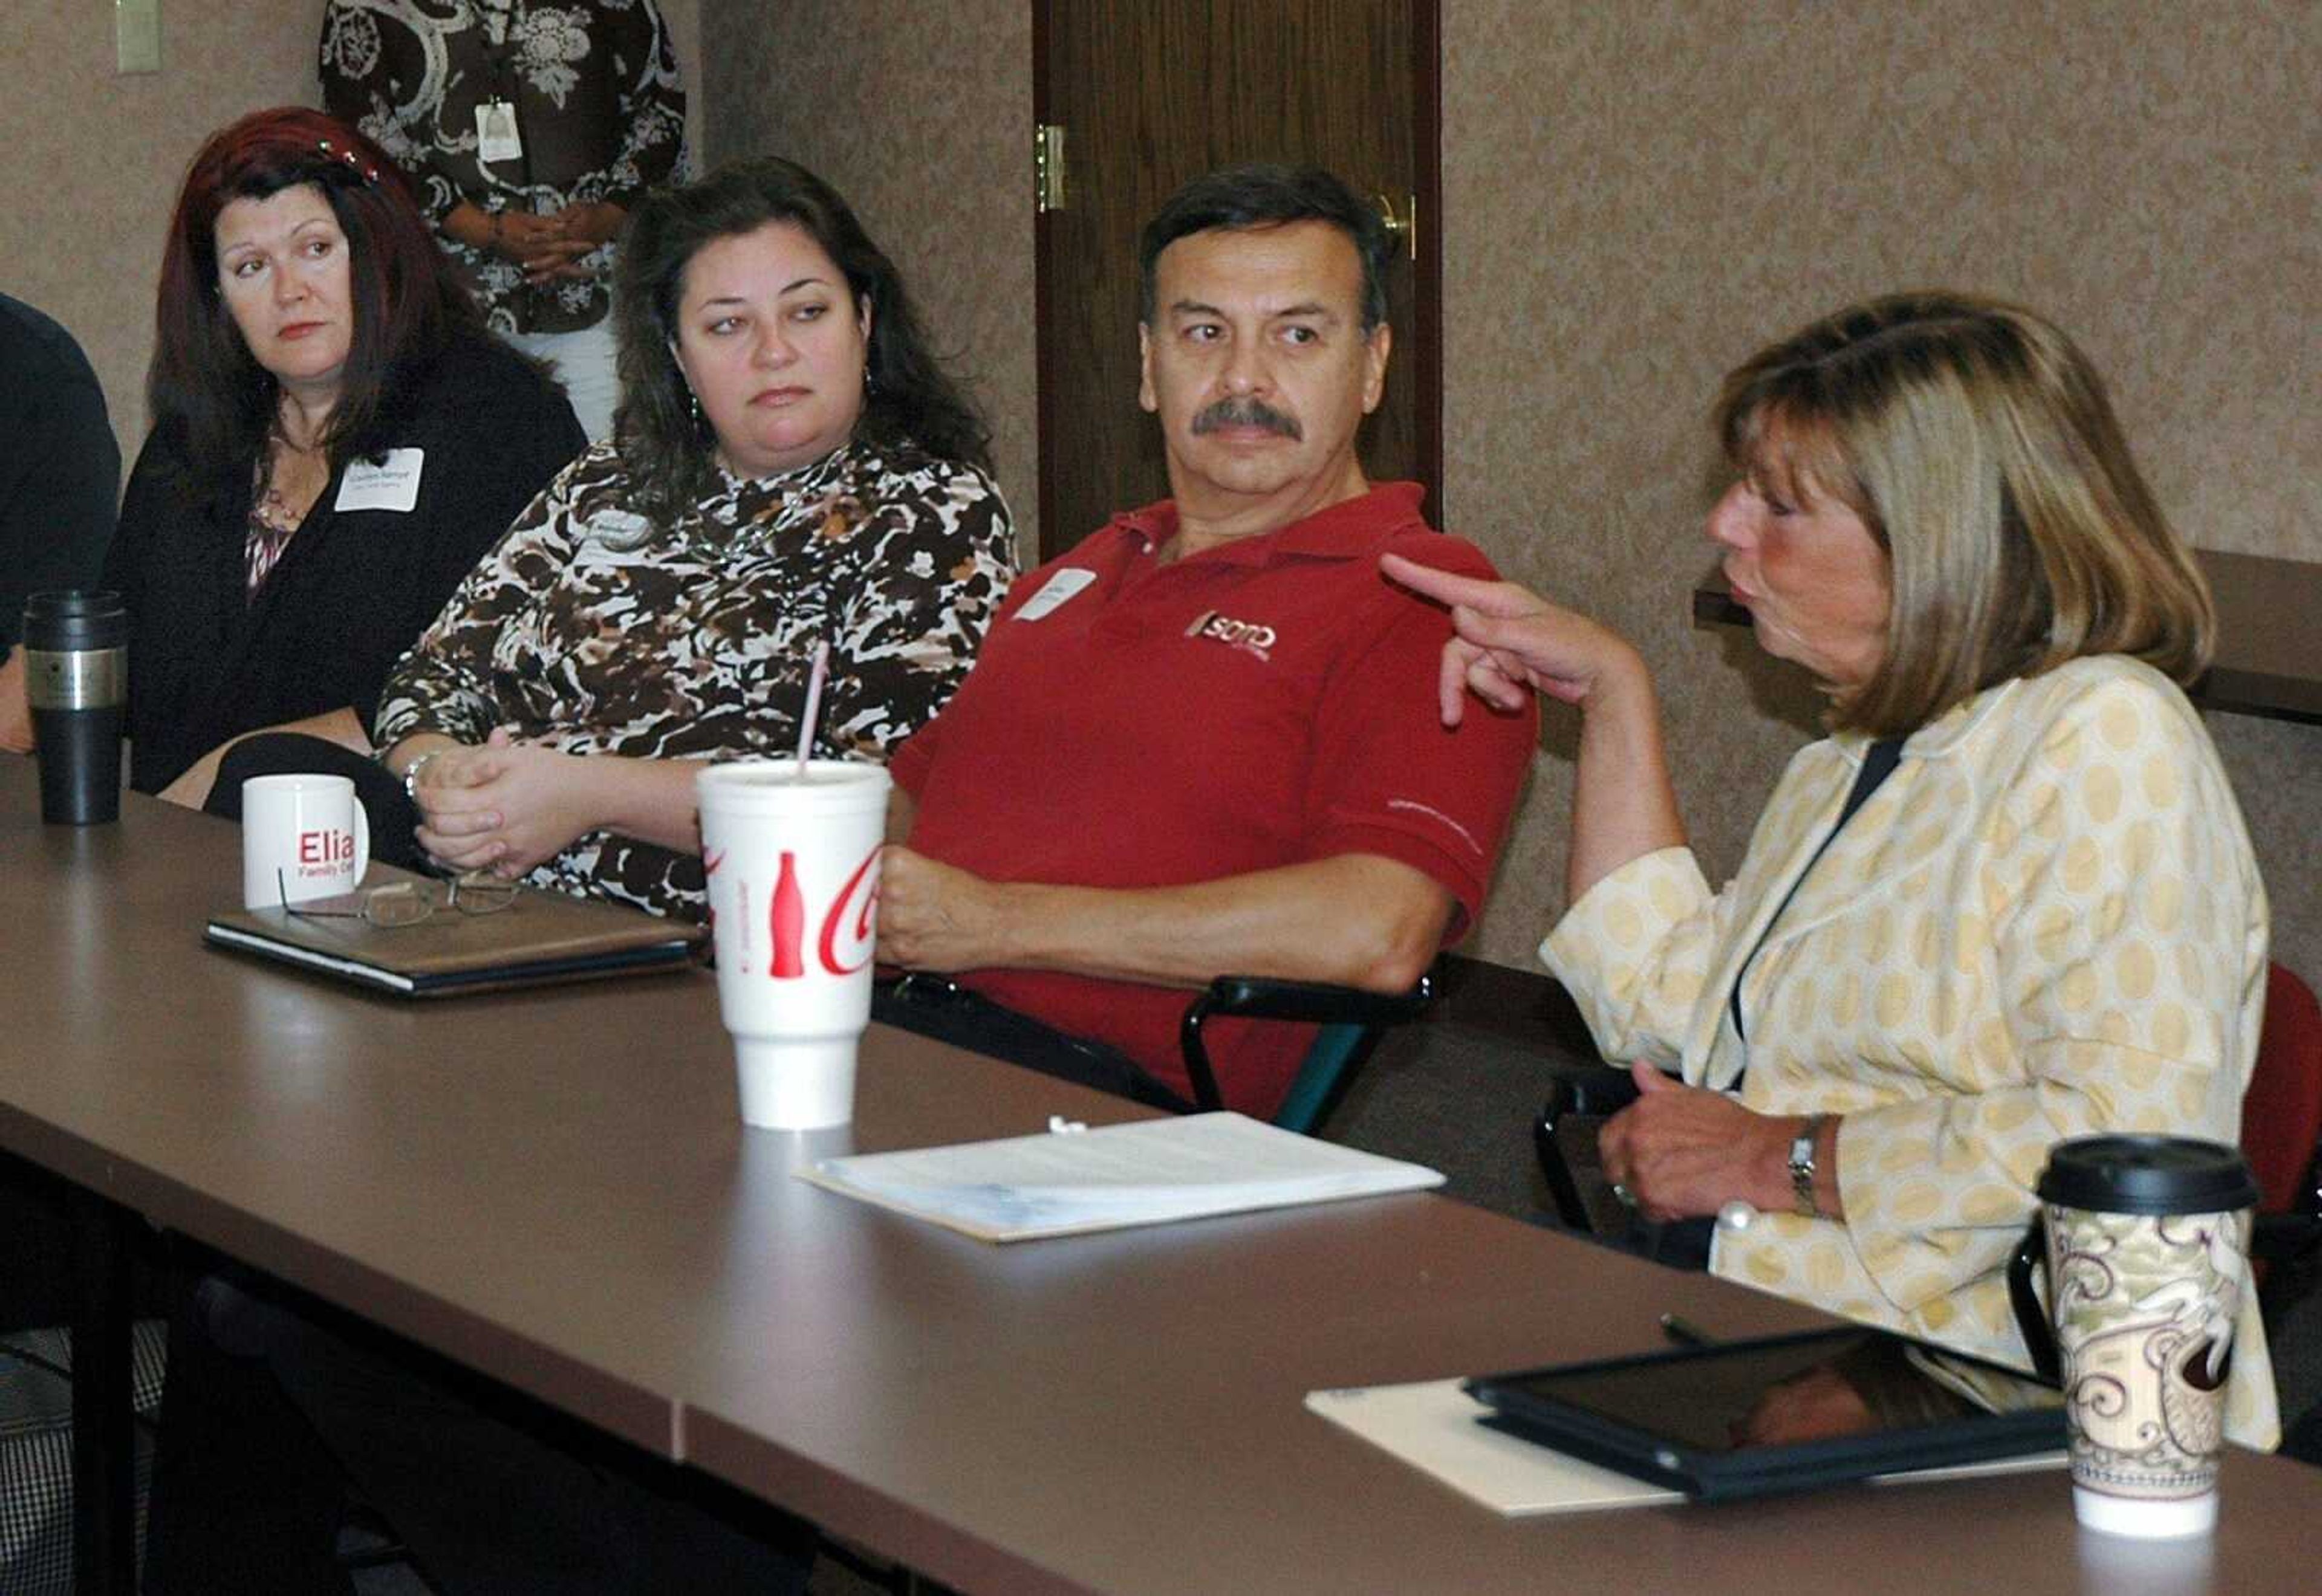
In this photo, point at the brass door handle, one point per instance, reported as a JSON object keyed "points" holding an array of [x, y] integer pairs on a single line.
{"points": [[1403, 229]]}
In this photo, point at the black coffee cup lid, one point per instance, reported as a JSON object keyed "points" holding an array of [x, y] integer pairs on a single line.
{"points": [[2147, 1174]]}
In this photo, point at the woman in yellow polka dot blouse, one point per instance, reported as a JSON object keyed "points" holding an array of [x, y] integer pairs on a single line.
{"points": [[2045, 922]]}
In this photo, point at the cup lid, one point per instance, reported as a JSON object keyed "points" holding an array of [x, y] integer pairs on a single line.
{"points": [[2147, 1174], [65, 620]]}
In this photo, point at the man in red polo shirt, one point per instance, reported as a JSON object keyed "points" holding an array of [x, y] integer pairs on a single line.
{"points": [[1206, 742]]}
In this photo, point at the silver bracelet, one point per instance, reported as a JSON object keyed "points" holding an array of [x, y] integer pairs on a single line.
{"points": [[411, 775]]}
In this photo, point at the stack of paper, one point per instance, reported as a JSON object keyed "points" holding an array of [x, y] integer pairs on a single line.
{"points": [[1146, 1173]]}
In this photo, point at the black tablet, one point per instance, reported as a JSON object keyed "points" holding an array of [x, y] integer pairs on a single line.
{"points": [[1742, 1419]]}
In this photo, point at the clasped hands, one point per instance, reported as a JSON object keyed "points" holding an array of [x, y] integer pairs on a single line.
{"points": [[552, 246], [502, 807]]}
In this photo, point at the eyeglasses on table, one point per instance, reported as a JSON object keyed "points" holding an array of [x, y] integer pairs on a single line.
{"points": [[398, 904]]}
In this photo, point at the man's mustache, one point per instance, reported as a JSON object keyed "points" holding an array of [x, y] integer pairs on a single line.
{"points": [[1247, 413]]}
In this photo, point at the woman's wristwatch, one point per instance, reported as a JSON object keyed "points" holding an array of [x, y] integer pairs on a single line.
{"points": [[1802, 1167]]}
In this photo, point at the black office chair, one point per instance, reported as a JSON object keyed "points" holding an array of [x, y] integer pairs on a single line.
{"points": [[1575, 1106], [1351, 1022]]}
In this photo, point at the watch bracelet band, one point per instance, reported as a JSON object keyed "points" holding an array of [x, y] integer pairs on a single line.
{"points": [[411, 774], [1803, 1167]]}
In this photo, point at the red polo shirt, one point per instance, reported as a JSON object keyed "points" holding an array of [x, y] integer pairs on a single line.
{"points": [[1264, 703]]}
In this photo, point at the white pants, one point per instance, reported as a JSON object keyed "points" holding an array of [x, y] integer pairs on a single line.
{"points": [[587, 365]]}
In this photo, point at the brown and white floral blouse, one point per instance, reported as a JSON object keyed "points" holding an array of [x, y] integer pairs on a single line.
{"points": [[589, 629]]}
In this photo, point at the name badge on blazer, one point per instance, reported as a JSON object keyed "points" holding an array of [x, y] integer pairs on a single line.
{"points": [[390, 483]]}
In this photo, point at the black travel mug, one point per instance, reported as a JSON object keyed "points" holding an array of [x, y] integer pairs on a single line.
{"points": [[76, 681]]}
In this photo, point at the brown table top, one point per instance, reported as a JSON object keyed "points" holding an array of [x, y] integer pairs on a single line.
{"points": [[555, 1188], [2268, 662]]}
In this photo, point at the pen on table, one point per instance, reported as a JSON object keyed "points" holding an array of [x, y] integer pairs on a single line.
{"points": [[1685, 1331]]}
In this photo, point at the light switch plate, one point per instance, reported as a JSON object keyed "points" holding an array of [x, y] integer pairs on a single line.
{"points": [[137, 35]]}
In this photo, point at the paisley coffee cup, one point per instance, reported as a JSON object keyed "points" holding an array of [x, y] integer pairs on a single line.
{"points": [[2143, 1238]]}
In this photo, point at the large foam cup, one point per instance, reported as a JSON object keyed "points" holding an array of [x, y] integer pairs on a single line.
{"points": [[2143, 1238], [793, 873]]}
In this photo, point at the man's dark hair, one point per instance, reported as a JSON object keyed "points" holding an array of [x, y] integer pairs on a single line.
{"points": [[1249, 197]]}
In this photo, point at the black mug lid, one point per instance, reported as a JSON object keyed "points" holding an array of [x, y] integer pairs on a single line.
{"points": [[2147, 1174], [60, 621]]}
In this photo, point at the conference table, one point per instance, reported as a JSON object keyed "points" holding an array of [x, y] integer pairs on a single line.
{"points": [[552, 1187]]}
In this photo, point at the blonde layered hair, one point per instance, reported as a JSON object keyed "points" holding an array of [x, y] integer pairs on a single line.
{"points": [[1977, 445]]}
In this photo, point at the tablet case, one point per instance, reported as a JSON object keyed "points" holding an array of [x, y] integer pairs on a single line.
{"points": [[1709, 1475], [541, 937]]}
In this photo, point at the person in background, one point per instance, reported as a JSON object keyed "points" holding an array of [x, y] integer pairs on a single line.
{"points": [[532, 130], [1193, 747], [336, 439], [60, 479], [2009, 901]]}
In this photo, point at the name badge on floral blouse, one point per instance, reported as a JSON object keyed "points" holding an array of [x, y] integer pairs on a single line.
{"points": [[496, 138]]}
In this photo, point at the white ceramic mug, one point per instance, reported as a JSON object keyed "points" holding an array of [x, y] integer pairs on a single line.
{"points": [[302, 837], [793, 874]]}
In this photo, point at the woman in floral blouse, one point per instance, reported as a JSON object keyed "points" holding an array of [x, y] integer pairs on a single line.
{"points": [[531, 131], [793, 469]]}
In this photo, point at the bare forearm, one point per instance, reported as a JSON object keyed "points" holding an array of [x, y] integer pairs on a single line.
{"points": [[16, 709], [650, 799], [1357, 920], [408, 750], [471, 224], [342, 727], [192, 786], [1622, 804]]}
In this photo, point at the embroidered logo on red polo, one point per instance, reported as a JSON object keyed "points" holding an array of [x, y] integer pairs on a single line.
{"points": [[1249, 636]]}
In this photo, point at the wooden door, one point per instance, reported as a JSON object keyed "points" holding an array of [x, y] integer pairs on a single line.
{"points": [[1152, 93]]}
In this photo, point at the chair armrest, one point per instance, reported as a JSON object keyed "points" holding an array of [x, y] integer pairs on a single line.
{"points": [[2282, 1238], [1259, 996], [1594, 1094]]}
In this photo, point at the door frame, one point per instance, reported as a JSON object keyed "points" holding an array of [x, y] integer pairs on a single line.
{"points": [[1418, 350]]}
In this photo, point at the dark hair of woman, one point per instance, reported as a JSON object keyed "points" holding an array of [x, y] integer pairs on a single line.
{"points": [[665, 442], [406, 298]]}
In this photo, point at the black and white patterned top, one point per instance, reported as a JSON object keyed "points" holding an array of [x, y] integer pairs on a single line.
{"points": [[598, 105], [591, 630]]}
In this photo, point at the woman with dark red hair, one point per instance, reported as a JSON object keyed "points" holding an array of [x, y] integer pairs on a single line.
{"points": [[336, 440]]}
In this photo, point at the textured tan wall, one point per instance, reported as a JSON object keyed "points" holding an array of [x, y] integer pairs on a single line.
{"points": [[90, 160], [921, 116], [1637, 196]]}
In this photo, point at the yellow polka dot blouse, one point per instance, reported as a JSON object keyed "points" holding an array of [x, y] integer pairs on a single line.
{"points": [[2047, 923]]}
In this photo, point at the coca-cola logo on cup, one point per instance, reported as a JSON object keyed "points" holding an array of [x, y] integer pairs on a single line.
{"points": [[849, 930]]}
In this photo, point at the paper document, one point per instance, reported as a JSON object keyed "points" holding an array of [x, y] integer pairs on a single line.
{"points": [[1432, 1427], [1148, 1172]]}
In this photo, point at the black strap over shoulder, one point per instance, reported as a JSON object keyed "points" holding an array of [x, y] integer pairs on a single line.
{"points": [[1879, 762]]}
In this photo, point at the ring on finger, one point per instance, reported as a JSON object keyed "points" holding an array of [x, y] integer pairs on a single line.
{"points": [[1624, 1196]]}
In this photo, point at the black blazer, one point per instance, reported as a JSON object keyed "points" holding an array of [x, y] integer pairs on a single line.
{"points": [[353, 589]]}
